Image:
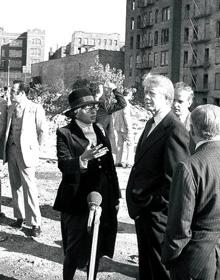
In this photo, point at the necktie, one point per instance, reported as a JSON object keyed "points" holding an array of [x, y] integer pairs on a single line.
{"points": [[147, 129]]}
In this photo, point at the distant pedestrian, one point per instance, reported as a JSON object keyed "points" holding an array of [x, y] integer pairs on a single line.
{"points": [[26, 130], [124, 134], [111, 100]]}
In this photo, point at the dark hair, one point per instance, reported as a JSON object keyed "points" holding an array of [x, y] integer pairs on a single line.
{"points": [[22, 86]]}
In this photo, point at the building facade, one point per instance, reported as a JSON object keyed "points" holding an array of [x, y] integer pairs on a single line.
{"points": [[68, 69], [84, 41], [19, 50], [176, 38]]}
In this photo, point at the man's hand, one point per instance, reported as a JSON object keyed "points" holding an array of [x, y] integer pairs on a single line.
{"points": [[95, 152], [110, 85]]}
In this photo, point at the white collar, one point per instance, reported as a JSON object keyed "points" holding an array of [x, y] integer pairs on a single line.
{"points": [[216, 138], [84, 125], [161, 115]]}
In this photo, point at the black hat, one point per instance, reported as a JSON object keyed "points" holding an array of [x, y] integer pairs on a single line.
{"points": [[78, 98]]}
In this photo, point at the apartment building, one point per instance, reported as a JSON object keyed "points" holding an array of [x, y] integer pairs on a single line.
{"points": [[19, 50], [176, 38], [85, 41]]}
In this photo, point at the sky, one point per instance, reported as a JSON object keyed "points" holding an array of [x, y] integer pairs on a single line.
{"points": [[60, 18]]}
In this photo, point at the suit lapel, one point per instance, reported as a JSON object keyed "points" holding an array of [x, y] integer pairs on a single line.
{"points": [[158, 132]]}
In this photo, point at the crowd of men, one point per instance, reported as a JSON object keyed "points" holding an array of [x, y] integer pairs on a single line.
{"points": [[172, 193]]}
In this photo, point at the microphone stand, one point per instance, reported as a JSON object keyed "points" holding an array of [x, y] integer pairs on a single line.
{"points": [[98, 212]]}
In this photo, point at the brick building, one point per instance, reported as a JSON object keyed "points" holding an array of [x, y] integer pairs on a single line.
{"points": [[19, 50], [68, 69], [176, 38]]}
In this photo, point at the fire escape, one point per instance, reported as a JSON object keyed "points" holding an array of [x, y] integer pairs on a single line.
{"points": [[146, 41], [198, 38]]}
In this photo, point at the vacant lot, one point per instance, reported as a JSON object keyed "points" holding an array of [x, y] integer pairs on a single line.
{"points": [[25, 258]]}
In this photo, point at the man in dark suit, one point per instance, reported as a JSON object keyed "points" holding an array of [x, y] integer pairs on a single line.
{"points": [[86, 163], [162, 145], [192, 241]]}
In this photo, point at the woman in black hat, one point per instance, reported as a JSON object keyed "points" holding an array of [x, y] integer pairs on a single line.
{"points": [[86, 163]]}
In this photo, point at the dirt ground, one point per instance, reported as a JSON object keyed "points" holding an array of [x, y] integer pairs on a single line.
{"points": [[25, 258]]}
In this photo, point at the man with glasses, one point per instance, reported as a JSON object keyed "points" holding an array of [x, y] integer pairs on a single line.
{"points": [[163, 143], [26, 130], [87, 165]]}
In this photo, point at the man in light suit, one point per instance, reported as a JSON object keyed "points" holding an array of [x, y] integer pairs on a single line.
{"points": [[192, 241], [25, 132], [3, 114], [162, 145]]}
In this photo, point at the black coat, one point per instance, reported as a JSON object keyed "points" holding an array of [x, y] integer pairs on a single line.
{"points": [[100, 176]]}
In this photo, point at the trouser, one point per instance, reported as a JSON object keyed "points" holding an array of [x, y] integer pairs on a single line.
{"points": [[23, 187], [150, 237], [76, 245]]}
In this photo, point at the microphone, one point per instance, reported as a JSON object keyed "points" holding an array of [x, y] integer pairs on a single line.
{"points": [[94, 199]]}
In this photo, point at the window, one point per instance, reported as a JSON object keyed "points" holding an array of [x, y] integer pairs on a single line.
{"points": [[194, 56], [187, 11], [131, 42], [16, 43], [207, 30], [155, 38], [217, 55], [149, 39], [217, 81], [99, 41], [205, 81], [206, 56], [138, 21], [86, 41], [110, 42], [93, 41], [116, 42], [217, 29], [156, 15], [195, 32], [36, 41], [185, 58], [166, 14], [164, 58], [80, 41], [216, 101], [105, 42], [35, 51], [15, 63], [156, 59], [218, 4], [150, 18], [130, 65], [15, 53], [204, 100], [133, 5], [3, 52], [132, 23], [186, 34], [138, 41], [164, 36]]}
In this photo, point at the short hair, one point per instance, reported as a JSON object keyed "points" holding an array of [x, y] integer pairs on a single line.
{"points": [[205, 120], [22, 86], [181, 86], [160, 81]]}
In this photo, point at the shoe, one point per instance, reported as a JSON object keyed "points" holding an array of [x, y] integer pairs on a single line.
{"points": [[18, 224], [35, 231]]}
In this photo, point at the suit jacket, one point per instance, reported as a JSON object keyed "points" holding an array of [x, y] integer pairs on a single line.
{"points": [[33, 132], [3, 119], [193, 227], [75, 185], [155, 160]]}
